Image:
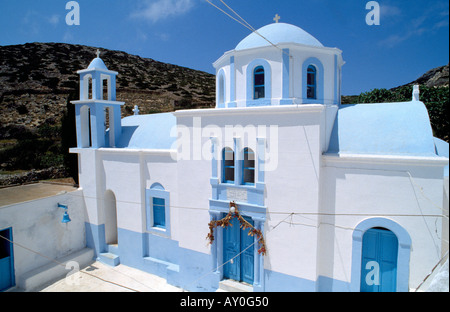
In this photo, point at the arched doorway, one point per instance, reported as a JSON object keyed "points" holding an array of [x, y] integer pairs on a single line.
{"points": [[379, 261], [359, 273], [110, 210]]}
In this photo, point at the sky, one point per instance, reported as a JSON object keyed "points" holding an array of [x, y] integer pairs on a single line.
{"points": [[412, 36]]}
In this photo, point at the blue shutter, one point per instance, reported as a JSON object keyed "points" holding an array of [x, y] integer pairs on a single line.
{"points": [[159, 212]]}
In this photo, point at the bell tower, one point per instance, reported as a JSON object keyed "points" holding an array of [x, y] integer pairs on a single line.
{"points": [[98, 114]]}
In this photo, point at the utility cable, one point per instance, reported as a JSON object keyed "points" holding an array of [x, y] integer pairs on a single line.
{"points": [[63, 265], [245, 24]]}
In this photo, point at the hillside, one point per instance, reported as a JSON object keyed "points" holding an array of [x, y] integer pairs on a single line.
{"points": [[436, 77], [37, 78]]}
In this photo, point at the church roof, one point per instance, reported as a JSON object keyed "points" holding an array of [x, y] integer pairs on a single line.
{"points": [[147, 131], [97, 63], [387, 128], [278, 33]]}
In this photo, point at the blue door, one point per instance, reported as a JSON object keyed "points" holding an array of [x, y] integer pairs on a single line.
{"points": [[6, 260], [237, 241], [379, 261]]}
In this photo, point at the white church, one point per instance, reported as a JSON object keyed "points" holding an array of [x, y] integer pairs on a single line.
{"points": [[277, 188]]}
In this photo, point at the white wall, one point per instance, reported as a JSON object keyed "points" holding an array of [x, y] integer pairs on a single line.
{"points": [[407, 194], [37, 225]]}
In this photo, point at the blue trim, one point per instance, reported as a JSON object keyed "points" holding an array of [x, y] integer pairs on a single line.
{"points": [[157, 186], [261, 152], [232, 82], [214, 158], [228, 150], [152, 225], [164, 257], [238, 157], [250, 169], [279, 282], [319, 80], [286, 75], [267, 83], [404, 250], [95, 238], [221, 88]]}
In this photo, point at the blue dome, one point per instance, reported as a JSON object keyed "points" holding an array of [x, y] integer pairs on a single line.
{"points": [[97, 63], [278, 33]]}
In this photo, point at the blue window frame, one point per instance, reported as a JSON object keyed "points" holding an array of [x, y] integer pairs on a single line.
{"points": [[258, 83], [157, 208], [228, 165], [249, 166], [311, 84], [159, 212]]}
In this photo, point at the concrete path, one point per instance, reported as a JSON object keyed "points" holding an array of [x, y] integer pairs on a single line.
{"points": [[110, 279]]}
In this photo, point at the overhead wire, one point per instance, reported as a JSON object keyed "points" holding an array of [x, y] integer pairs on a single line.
{"points": [[81, 271], [244, 23]]}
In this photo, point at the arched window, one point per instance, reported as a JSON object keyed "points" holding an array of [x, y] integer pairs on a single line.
{"points": [[228, 165], [249, 166], [258, 83], [311, 83]]}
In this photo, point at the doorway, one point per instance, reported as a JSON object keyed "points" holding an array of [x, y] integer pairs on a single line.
{"points": [[6, 260], [379, 261], [237, 247], [111, 236]]}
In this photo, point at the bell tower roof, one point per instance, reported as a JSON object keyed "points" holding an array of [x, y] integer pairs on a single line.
{"points": [[97, 63]]}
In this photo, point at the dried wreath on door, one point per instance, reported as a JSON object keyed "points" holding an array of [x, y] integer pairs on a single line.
{"points": [[226, 221]]}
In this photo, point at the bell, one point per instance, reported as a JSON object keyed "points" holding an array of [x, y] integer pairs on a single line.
{"points": [[66, 218]]}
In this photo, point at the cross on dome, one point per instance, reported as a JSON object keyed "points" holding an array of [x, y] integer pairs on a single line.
{"points": [[276, 18], [98, 53]]}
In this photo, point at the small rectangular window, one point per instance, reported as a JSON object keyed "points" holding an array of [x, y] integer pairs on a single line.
{"points": [[159, 212]]}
